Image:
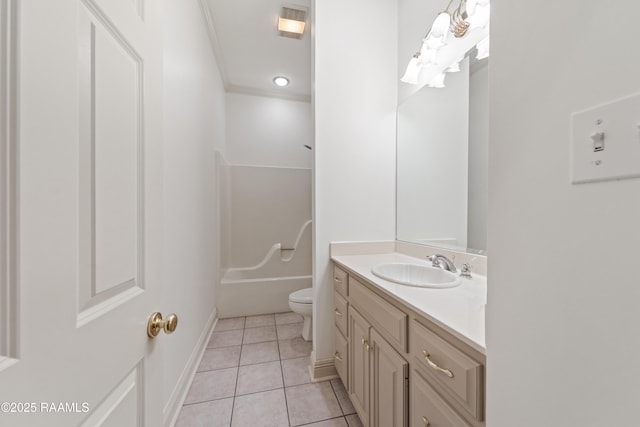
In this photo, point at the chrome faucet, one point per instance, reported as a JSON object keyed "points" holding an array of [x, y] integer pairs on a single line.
{"points": [[441, 261]]}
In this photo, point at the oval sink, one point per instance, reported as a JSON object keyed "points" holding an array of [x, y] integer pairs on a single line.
{"points": [[416, 275]]}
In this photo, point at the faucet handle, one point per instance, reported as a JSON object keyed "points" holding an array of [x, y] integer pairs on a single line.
{"points": [[466, 270], [434, 260]]}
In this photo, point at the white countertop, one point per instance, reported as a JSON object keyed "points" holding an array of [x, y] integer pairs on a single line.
{"points": [[459, 310]]}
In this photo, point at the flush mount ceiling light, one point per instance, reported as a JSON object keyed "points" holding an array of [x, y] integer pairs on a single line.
{"points": [[448, 40], [291, 22], [281, 81]]}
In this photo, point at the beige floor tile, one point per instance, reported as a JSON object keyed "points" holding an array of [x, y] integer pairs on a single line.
{"points": [[265, 409], [310, 403], [354, 420], [262, 320], [219, 358], [212, 385], [259, 353], [290, 317], [343, 397], [289, 331], [229, 324], [216, 413], [296, 371], [293, 348], [263, 334], [259, 377], [225, 339]]}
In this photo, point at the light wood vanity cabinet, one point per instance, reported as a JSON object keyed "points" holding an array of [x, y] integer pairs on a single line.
{"points": [[459, 376], [378, 376], [389, 384], [399, 368], [359, 378], [341, 307]]}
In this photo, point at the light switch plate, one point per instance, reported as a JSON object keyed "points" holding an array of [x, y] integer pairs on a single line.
{"points": [[619, 155]]}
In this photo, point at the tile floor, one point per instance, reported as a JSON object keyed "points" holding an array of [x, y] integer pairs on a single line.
{"points": [[255, 373]]}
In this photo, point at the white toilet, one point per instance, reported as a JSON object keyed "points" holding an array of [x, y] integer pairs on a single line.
{"points": [[301, 302]]}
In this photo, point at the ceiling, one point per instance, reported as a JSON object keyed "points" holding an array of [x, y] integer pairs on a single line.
{"points": [[250, 52]]}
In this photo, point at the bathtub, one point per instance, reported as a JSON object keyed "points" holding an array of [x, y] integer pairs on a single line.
{"points": [[265, 287], [246, 297]]}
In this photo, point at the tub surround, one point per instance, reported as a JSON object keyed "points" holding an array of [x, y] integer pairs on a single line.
{"points": [[460, 310]]}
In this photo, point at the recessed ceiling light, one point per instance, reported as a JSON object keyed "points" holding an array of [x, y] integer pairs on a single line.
{"points": [[281, 81]]}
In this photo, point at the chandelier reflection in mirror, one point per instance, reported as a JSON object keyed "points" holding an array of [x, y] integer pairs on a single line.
{"points": [[451, 36]]}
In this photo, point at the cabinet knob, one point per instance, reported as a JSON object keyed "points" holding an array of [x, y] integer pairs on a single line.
{"points": [[337, 279], [365, 343], [338, 312], [426, 422], [337, 356]]}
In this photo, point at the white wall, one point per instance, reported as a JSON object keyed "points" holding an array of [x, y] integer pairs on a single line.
{"points": [[562, 313], [194, 127], [355, 100], [268, 131]]}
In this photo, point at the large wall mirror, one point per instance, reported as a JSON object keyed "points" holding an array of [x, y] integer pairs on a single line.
{"points": [[442, 140]]}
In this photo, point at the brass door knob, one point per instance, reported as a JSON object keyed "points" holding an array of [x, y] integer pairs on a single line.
{"points": [[156, 324]]}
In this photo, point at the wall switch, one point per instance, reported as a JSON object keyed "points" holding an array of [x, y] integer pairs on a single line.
{"points": [[598, 141], [605, 141]]}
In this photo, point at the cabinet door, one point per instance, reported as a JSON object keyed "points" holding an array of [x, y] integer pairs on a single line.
{"points": [[389, 383], [359, 364], [427, 407], [342, 357]]}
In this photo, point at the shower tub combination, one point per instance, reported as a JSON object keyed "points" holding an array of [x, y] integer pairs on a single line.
{"points": [[265, 287]]}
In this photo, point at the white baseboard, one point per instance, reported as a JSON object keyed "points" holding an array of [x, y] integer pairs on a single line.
{"points": [[172, 408], [322, 370]]}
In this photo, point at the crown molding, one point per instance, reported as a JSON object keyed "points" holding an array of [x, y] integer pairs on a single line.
{"points": [[268, 93]]}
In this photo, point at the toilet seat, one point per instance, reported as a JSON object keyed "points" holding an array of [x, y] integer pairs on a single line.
{"points": [[303, 296]]}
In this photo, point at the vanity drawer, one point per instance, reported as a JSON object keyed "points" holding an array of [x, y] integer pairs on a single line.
{"points": [[390, 322], [458, 374], [340, 313], [428, 408], [340, 282], [341, 357]]}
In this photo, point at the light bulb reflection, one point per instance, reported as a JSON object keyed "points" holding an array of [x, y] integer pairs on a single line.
{"points": [[413, 71], [483, 48], [437, 81], [439, 30], [428, 56]]}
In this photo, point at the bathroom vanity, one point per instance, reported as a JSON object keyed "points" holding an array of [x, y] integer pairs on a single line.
{"points": [[409, 356]]}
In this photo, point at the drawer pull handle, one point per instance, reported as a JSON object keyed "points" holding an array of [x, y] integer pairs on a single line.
{"points": [[426, 422], [338, 312], [337, 356], [447, 372], [365, 343], [337, 279]]}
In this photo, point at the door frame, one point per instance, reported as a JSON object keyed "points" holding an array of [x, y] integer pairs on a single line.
{"points": [[8, 183]]}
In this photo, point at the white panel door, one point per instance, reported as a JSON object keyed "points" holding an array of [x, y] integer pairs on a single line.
{"points": [[88, 193]]}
